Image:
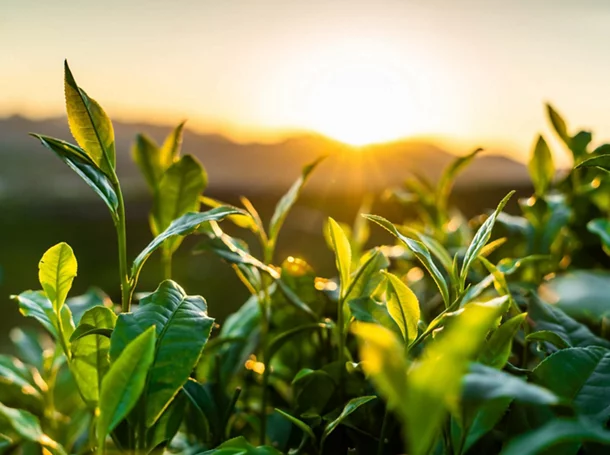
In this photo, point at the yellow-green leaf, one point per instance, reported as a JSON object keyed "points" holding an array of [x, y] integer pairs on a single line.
{"points": [[343, 253], [403, 306], [89, 124], [170, 150], [541, 166], [56, 271]]}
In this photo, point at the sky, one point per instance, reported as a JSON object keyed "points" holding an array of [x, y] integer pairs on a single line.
{"points": [[465, 73]]}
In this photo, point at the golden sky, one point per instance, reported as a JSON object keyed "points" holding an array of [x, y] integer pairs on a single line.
{"points": [[463, 72]]}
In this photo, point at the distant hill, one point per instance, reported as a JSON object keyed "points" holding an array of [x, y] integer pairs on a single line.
{"points": [[30, 172]]}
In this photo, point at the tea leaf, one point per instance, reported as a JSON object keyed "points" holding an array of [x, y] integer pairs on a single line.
{"points": [[559, 125], [434, 384], [601, 161], [480, 239], [56, 271], [548, 337], [27, 426], [90, 360], [184, 225], [239, 446], [287, 201], [483, 383], [420, 251], [79, 162], [446, 182], [147, 156], [499, 347], [368, 277], [601, 227], [557, 431], [550, 318], [178, 192], [581, 375], [403, 306], [349, 408], [124, 383], [306, 429], [343, 254], [36, 305], [541, 167], [182, 327], [170, 150], [89, 124]]}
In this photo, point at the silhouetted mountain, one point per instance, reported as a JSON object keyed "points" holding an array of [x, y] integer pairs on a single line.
{"points": [[28, 171]]}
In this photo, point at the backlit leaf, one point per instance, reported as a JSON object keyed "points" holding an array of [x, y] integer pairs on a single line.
{"points": [[541, 166], [403, 306], [56, 271], [343, 254]]}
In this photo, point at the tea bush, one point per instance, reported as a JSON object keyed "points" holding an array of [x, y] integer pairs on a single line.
{"points": [[443, 341]]}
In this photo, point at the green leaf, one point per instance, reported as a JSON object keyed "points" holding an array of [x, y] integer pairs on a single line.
{"points": [[183, 328], [279, 340], [27, 426], [28, 344], [420, 251], [184, 225], [548, 337], [559, 125], [170, 150], [287, 201], [90, 360], [487, 416], [446, 182], [483, 383], [343, 254], [499, 347], [434, 383], [35, 304], [601, 228], [541, 167], [600, 162], [580, 375], [56, 271], [79, 162], [124, 383], [557, 431], [147, 156], [178, 192], [368, 277], [349, 408], [89, 124], [551, 318], [366, 309], [239, 446], [480, 239], [403, 306], [19, 386], [306, 429], [168, 424]]}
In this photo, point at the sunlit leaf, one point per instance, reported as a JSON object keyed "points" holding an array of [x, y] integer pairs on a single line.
{"points": [[146, 154], [56, 271], [449, 174], [90, 125], [541, 167], [343, 254], [90, 360], [403, 306], [420, 251]]}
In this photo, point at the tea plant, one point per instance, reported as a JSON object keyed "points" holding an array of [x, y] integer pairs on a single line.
{"points": [[439, 342]]}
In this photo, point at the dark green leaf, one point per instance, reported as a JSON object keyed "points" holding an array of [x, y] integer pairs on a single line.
{"points": [[548, 337], [184, 225], [239, 446], [124, 383], [349, 408], [558, 431], [80, 163], [183, 327], [580, 375], [600, 161]]}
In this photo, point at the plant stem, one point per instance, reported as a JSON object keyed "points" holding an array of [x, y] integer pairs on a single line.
{"points": [[384, 430], [265, 304], [166, 259], [121, 231], [341, 346]]}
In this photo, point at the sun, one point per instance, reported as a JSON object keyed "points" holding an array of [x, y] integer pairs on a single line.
{"points": [[360, 104]]}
